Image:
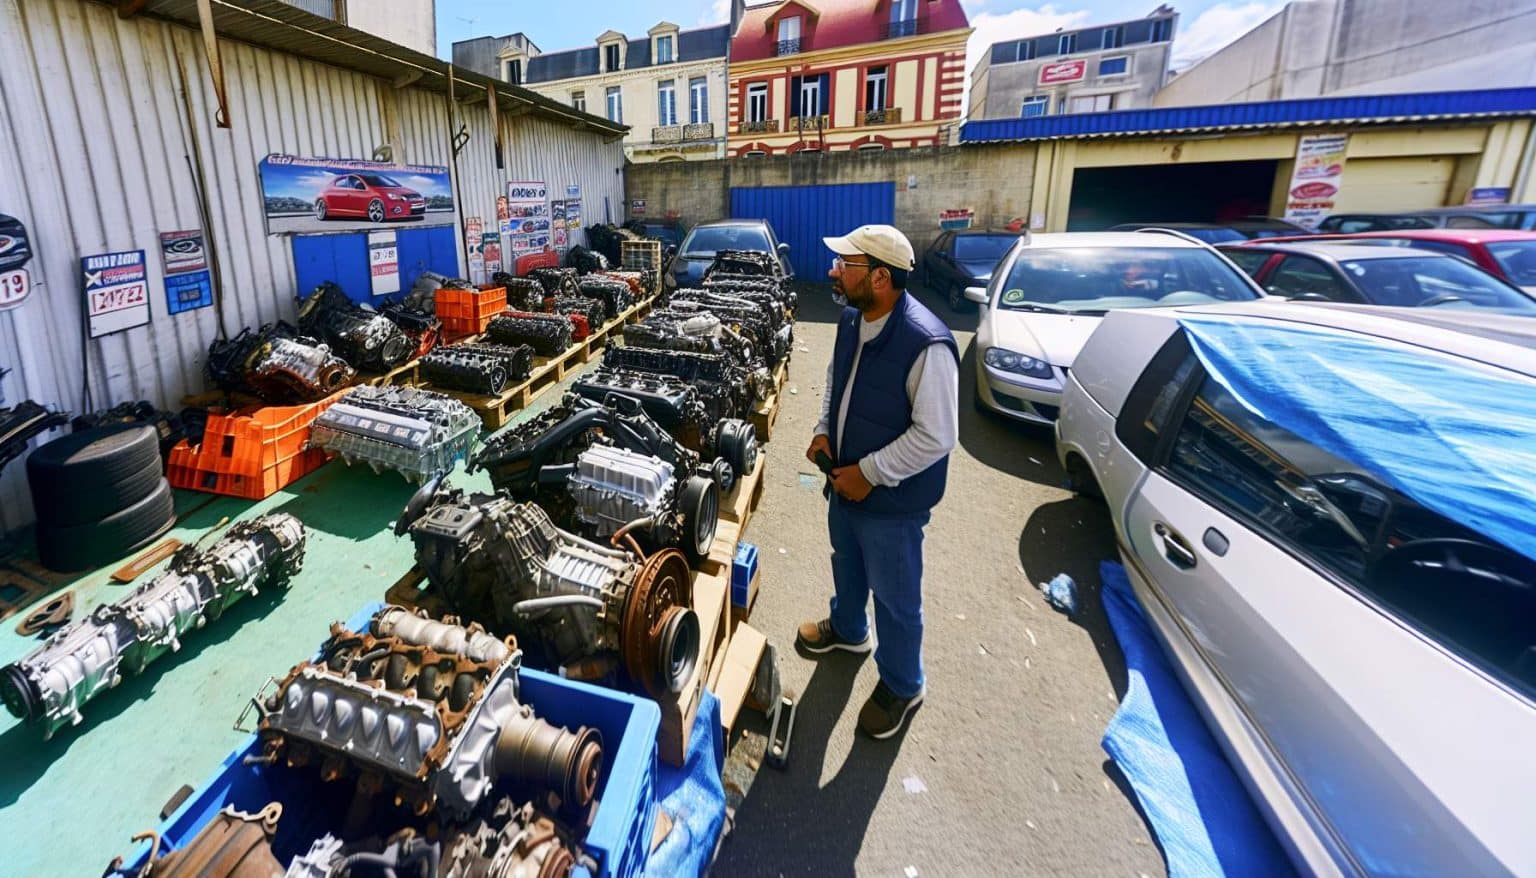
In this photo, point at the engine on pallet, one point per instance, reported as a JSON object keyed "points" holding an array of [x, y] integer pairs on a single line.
{"points": [[698, 414], [414, 432], [548, 334], [596, 467], [577, 606], [486, 369], [615, 295], [420, 325], [726, 377], [278, 364], [556, 281], [677, 330], [360, 335], [590, 310], [50, 685], [431, 709], [768, 333], [750, 263], [585, 261], [523, 293]]}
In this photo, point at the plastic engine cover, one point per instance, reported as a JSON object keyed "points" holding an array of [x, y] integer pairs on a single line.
{"points": [[614, 486], [414, 432]]}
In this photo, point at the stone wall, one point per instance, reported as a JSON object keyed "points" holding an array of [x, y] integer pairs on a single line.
{"points": [[995, 180]]}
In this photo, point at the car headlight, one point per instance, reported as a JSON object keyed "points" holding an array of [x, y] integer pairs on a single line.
{"points": [[396, 197], [1009, 361]]}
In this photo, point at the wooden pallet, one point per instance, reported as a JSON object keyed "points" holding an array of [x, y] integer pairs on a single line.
{"points": [[409, 373], [767, 412]]}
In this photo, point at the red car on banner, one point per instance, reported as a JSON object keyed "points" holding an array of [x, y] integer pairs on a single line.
{"points": [[376, 197]]}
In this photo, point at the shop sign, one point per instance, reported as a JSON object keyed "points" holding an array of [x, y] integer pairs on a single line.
{"points": [[306, 196], [1316, 179], [383, 263], [637, 207], [116, 291], [1064, 71], [1482, 195], [958, 218], [188, 283], [15, 247], [14, 287]]}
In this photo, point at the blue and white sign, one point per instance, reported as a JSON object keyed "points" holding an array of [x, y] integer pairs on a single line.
{"points": [[188, 283], [116, 291], [1488, 195]]}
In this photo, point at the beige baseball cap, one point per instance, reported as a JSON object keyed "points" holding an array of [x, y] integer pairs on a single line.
{"points": [[884, 243]]}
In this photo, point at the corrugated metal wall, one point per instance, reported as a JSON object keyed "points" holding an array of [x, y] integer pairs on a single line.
{"points": [[802, 215], [95, 141]]}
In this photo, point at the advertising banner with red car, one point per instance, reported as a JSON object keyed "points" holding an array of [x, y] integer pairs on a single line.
{"points": [[310, 196], [1315, 181]]}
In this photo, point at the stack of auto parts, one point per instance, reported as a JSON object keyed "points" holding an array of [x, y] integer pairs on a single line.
{"points": [[585, 261], [742, 384], [556, 281], [590, 310], [52, 683], [597, 467], [420, 326], [363, 337], [548, 334], [754, 263], [637, 281], [758, 316], [414, 432], [614, 294], [585, 608], [677, 330], [21, 422], [278, 364], [523, 294], [433, 710], [486, 369]]}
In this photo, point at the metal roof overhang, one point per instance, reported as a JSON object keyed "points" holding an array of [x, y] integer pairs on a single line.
{"points": [[1402, 109], [275, 25]]}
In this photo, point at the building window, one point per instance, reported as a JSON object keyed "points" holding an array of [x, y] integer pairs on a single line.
{"points": [[1118, 66], [698, 100], [1088, 104], [1114, 38], [513, 72], [1037, 105], [615, 104], [757, 102], [664, 50], [1027, 50], [666, 102], [1162, 30], [1066, 44], [808, 95], [789, 35], [903, 18], [611, 57], [579, 101], [875, 89], [754, 154]]}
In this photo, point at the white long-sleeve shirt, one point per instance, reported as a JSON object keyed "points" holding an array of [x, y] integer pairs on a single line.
{"points": [[933, 389]]}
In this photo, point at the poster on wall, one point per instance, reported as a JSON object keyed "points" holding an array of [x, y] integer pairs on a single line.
{"points": [[573, 192], [383, 263], [490, 246], [573, 215], [474, 236], [557, 224], [528, 226], [14, 287], [307, 196], [1316, 179], [116, 291], [188, 283]]}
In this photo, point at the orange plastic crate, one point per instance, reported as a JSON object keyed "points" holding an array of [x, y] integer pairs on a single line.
{"points": [[251, 453], [468, 311], [254, 486]]}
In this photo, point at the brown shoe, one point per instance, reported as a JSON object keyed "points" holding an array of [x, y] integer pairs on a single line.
{"points": [[885, 713], [818, 637]]}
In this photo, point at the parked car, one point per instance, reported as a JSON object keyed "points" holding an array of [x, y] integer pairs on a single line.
{"points": [[1503, 253], [1487, 216], [1350, 223], [669, 234], [1050, 292], [1207, 232], [1340, 571], [375, 197], [1397, 276], [698, 249], [1265, 227], [956, 260]]}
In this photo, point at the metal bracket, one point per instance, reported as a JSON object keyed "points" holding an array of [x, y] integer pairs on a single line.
{"points": [[778, 744], [256, 702]]}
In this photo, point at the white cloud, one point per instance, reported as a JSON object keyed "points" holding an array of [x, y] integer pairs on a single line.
{"points": [[1216, 27], [993, 27], [719, 12]]}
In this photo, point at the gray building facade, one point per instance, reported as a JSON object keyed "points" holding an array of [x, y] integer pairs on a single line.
{"points": [[1116, 66]]}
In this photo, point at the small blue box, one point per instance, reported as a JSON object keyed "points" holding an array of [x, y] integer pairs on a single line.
{"points": [[742, 571]]}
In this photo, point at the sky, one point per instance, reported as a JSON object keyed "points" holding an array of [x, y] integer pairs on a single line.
{"points": [[1204, 25]]}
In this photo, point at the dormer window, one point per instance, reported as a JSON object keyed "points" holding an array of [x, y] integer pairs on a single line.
{"points": [[664, 53], [611, 58]]}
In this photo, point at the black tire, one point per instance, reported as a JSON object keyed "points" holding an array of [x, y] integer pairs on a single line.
{"points": [[93, 545], [85, 477], [737, 443], [954, 294], [700, 505], [1080, 480]]}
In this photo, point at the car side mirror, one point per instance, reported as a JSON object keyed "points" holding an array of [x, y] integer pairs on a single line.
{"points": [[671, 250], [783, 249], [976, 294]]}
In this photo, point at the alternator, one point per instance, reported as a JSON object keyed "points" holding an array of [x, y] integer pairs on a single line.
{"points": [[477, 368], [548, 334], [361, 336], [55, 680], [414, 432]]}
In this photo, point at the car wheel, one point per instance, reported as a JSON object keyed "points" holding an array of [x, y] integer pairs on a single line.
{"points": [[319, 208], [376, 211], [700, 505], [1080, 479], [956, 296]]}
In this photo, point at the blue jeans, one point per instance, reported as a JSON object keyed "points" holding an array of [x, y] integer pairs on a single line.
{"points": [[884, 556]]}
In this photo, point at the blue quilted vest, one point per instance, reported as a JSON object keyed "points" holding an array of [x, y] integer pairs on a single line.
{"points": [[878, 410]]}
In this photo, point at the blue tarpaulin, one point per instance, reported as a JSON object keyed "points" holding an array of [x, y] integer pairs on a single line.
{"points": [[694, 797], [1202, 814]]}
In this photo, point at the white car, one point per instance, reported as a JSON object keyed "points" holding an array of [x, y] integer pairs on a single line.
{"points": [[1050, 291], [1325, 511]]}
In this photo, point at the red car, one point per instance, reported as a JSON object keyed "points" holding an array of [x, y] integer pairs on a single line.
{"points": [[1503, 253], [374, 197]]}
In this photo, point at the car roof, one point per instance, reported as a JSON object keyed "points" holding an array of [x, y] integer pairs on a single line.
{"points": [[1455, 236], [1345, 249], [1127, 226], [739, 223], [959, 232], [1471, 208], [1108, 239]]}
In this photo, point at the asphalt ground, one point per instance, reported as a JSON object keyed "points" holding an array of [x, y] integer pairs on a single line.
{"points": [[1000, 771]]}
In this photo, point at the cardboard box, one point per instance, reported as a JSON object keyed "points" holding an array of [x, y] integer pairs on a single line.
{"points": [[739, 612], [737, 672]]}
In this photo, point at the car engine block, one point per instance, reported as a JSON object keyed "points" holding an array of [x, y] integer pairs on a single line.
{"points": [[548, 334], [277, 364], [593, 310], [53, 682], [419, 324], [363, 337], [477, 368], [414, 432], [616, 295]]}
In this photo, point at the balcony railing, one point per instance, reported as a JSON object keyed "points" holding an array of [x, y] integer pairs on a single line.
{"points": [[699, 131], [810, 123], [761, 126], [683, 133], [787, 47], [887, 116], [667, 134], [907, 27]]}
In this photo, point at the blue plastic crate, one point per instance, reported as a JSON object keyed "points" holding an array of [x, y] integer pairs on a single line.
{"points": [[620, 837], [743, 568]]}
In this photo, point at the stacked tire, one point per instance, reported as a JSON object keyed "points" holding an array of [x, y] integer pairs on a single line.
{"points": [[99, 494]]}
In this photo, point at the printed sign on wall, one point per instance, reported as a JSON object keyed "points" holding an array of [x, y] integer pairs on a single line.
{"points": [[318, 195], [188, 283], [1316, 179], [116, 291], [955, 219], [14, 287], [490, 244], [384, 263], [1063, 71], [474, 236], [528, 226]]}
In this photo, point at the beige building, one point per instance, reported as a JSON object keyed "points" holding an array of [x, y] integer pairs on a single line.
{"points": [[408, 23]]}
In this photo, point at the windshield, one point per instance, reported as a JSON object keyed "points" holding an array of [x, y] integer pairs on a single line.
{"points": [[982, 248], [380, 180], [704, 242], [1518, 259], [1430, 281], [1092, 280], [1215, 236]]}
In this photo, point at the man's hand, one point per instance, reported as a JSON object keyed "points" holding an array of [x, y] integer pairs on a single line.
{"points": [[818, 443], [848, 482]]}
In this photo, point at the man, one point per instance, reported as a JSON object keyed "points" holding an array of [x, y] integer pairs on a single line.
{"points": [[888, 423]]}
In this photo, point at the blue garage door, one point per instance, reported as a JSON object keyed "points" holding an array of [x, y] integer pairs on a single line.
{"points": [[802, 215]]}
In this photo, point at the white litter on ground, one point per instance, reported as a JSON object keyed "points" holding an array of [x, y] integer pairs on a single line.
{"points": [[1061, 593], [1032, 640], [911, 872], [914, 784]]}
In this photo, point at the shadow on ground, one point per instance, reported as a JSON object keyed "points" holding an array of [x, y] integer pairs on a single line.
{"points": [[1016, 448]]}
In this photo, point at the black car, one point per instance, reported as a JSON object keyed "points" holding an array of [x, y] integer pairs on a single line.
{"points": [[698, 249], [1353, 223], [1266, 227], [956, 260]]}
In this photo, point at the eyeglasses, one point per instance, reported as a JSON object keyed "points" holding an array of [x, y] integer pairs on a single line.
{"points": [[841, 264]]}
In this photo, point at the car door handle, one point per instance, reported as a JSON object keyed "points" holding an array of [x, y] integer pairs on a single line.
{"points": [[1175, 548]]}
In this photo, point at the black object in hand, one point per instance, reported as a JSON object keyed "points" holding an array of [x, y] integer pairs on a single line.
{"points": [[824, 462]]}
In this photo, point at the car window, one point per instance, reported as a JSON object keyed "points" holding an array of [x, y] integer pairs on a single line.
{"points": [[381, 180], [982, 248], [941, 246], [1215, 236], [1433, 281], [1444, 579], [1250, 261], [1518, 259], [1093, 280], [1153, 400], [706, 241], [1349, 226], [1299, 275]]}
